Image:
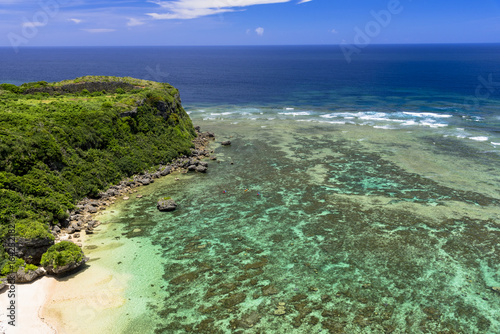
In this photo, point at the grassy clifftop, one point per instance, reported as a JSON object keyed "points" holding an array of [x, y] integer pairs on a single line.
{"points": [[61, 142]]}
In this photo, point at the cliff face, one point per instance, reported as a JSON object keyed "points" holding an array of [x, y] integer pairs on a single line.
{"points": [[61, 142]]}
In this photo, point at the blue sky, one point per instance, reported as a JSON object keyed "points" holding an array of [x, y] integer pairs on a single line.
{"points": [[246, 22]]}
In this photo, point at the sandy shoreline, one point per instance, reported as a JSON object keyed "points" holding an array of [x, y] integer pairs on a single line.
{"points": [[85, 301], [30, 300]]}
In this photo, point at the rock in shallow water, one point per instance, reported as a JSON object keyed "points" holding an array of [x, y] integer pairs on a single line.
{"points": [[166, 204], [201, 169]]}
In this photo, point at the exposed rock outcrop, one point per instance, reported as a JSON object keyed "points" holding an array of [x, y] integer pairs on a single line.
{"points": [[31, 249], [201, 169], [51, 270], [166, 205], [23, 276]]}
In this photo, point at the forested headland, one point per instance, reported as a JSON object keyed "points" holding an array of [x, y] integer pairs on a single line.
{"points": [[61, 142]]}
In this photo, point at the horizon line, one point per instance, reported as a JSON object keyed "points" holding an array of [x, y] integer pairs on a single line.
{"points": [[243, 45]]}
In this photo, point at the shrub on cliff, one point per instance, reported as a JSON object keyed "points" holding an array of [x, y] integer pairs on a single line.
{"points": [[62, 254], [12, 266]]}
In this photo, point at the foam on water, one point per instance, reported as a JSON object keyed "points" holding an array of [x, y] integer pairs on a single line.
{"points": [[450, 123], [300, 113], [426, 114], [480, 138]]}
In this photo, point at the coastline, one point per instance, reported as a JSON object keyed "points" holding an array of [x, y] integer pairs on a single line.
{"points": [[83, 217], [95, 291]]}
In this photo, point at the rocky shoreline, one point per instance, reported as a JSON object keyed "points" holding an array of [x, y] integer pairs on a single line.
{"points": [[82, 219]]}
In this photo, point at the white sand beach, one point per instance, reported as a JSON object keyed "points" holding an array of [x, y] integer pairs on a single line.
{"points": [[30, 300]]}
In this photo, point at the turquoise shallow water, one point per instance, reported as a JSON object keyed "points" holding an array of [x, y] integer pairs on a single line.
{"points": [[355, 229]]}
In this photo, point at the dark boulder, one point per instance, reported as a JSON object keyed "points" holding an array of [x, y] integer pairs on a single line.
{"points": [[91, 209], [226, 143], [22, 276], [77, 226], [166, 204], [192, 168], [31, 250], [145, 181], [201, 169], [166, 171]]}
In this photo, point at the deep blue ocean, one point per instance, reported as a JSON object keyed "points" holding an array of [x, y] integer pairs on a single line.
{"points": [[272, 74], [406, 84], [359, 197]]}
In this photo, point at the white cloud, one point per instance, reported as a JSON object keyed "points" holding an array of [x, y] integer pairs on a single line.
{"points": [[190, 9], [77, 21], [259, 31], [33, 24], [303, 1], [133, 22], [97, 31], [334, 31]]}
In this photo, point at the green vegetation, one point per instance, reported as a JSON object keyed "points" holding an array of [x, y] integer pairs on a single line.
{"points": [[13, 267], [61, 254], [61, 142], [29, 267]]}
